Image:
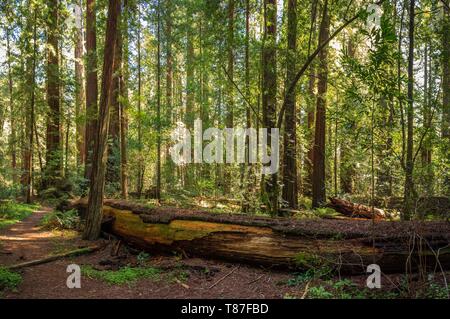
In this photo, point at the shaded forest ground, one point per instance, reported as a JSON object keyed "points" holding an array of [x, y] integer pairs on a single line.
{"points": [[134, 274]]}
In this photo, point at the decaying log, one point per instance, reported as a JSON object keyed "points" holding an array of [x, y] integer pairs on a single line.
{"points": [[350, 209], [76, 252], [348, 245]]}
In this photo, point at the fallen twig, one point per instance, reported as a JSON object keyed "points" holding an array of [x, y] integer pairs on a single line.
{"points": [[182, 284], [306, 290], [255, 280], [76, 252], [218, 281]]}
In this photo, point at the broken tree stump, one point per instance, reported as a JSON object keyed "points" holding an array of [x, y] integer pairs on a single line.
{"points": [[350, 209], [347, 245]]}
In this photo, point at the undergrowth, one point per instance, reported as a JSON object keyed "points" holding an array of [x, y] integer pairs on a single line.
{"points": [[127, 275], [60, 220], [12, 212], [9, 280]]}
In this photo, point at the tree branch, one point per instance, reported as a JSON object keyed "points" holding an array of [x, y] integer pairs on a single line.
{"points": [[311, 58]]}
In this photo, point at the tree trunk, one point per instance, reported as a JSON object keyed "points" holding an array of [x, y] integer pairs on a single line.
{"points": [[158, 109], [229, 117], [140, 166], [290, 191], [347, 246], [446, 93], [53, 168], [91, 84], [123, 51], [97, 183], [29, 133], [79, 86], [350, 209], [409, 191], [347, 166], [168, 163], [12, 137], [190, 97], [269, 96], [318, 183], [113, 165]]}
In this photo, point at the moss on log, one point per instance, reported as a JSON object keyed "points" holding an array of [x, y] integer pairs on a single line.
{"points": [[280, 242]]}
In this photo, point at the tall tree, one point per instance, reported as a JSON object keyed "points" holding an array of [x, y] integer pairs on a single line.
{"points": [[446, 71], [30, 47], [269, 95], [229, 87], [140, 168], [12, 137], [53, 168], [79, 84], [123, 101], [91, 83], [307, 189], [169, 85], [318, 183], [97, 182], [113, 165], [409, 191], [446, 91], [290, 191], [158, 107]]}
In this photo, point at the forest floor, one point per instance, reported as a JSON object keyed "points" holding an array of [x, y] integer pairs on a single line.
{"points": [[124, 273]]}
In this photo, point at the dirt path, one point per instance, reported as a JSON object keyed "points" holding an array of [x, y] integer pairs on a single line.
{"points": [[27, 241]]}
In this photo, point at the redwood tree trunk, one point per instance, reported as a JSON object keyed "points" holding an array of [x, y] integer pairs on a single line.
{"points": [[97, 183], [29, 133], [158, 109], [123, 51], [269, 95], [446, 92], [12, 137], [54, 153], [91, 84], [318, 183], [307, 189], [79, 88], [290, 191], [409, 191]]}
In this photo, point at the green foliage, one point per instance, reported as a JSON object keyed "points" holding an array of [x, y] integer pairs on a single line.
{"points": [[61, 220], [325, 212], [11, 212], [127, 275], [10, 191], [319, 293], [142, 258], [309, 275], [9, 280]]}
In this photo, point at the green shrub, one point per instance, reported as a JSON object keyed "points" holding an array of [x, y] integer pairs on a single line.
{"points": [[319, 292], [11, 212], [9, 280], [60, 220], [124, 275]]}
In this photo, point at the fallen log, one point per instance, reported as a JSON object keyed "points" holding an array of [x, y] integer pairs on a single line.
{"points": [[348, 246], [72, 253], [352, 210]]}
